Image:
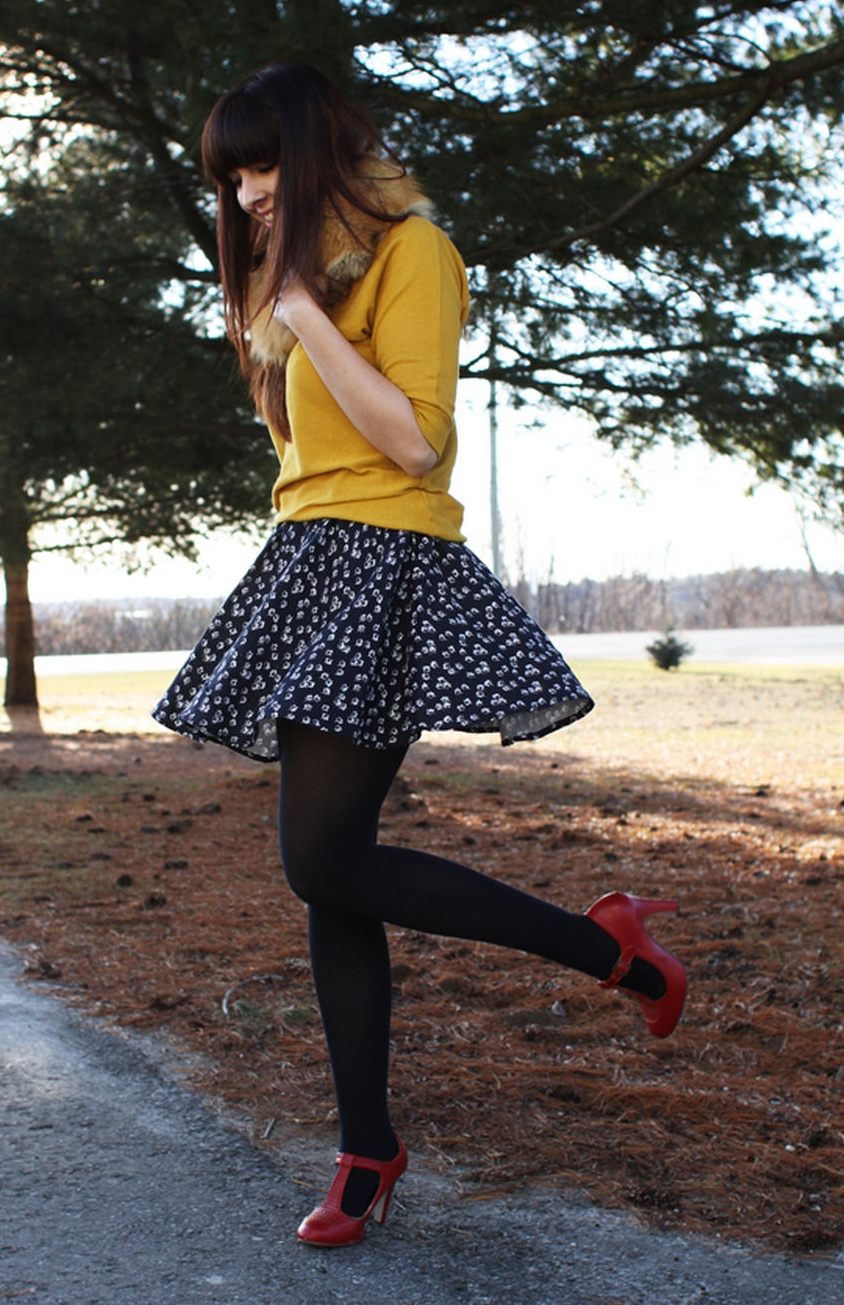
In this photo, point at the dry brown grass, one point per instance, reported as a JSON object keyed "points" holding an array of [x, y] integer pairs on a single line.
{"points": [[141, 874]]}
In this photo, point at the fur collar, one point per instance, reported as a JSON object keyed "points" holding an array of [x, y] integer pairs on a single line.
{"points": [[347, 252]]}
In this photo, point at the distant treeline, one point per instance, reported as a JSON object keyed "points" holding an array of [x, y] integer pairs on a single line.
{"points": [[731, 599], [121, 625], [728, 600]]}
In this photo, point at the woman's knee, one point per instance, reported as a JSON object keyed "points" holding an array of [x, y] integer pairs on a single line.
{"points": [[317, 864], [303, 866]]}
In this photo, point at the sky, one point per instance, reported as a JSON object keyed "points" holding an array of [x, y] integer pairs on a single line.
{"points": [[569, 511]]}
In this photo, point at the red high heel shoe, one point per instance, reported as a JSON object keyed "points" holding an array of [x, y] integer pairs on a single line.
{"points": [[623, 918], [327, 1225]]}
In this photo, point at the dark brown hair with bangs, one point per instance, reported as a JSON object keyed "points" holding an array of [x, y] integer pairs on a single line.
{"points": [[288, 115]]}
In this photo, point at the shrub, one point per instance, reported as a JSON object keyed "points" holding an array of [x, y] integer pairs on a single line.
{"points": [[669, 651]]}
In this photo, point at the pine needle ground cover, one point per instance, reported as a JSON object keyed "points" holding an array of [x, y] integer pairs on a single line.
{"points": [[140, 880]]}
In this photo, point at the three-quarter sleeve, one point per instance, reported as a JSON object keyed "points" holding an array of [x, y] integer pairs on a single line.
{"points": [[418, 316]]}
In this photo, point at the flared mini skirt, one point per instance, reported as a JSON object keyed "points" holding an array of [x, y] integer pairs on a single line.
{"points": [[374, 634]]}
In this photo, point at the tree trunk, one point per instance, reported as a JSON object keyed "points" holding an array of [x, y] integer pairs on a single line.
{"points": [[20, 638], [15, 554]]}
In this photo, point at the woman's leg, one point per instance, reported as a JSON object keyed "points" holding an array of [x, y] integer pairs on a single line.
{"points": [[331, 794], [350, 957], [351, 968], [330, 800]]}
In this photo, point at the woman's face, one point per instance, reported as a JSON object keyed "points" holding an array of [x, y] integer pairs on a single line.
{"points": [[256, 188]]}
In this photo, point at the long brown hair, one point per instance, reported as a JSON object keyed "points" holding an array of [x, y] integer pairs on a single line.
{"points": [[291, 116]]}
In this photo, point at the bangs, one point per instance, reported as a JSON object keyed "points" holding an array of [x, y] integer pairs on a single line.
{"points": [[241, 132]]}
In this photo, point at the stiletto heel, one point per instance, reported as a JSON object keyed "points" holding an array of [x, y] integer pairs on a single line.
{"points": [[379, 1211], [329, 1225], [623, 918]]}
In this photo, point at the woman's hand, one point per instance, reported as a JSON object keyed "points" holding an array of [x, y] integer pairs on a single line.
{"points": [[373, 404], [294, 301]]}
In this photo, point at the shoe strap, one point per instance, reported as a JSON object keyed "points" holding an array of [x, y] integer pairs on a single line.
{"points": [[620, 969]]}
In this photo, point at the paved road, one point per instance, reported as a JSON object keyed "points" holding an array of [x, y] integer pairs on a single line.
{"points": [[120, 1187], [787, 645]]}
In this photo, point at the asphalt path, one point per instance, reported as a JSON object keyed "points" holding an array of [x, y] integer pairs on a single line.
{"points": [[784, 645], [122, 1187]]}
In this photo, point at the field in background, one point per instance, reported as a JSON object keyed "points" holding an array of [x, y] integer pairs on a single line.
{"points": [[118, 702], [715, 720]]}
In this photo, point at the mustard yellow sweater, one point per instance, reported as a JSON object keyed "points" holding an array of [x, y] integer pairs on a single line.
{"points": [[405, 316]]}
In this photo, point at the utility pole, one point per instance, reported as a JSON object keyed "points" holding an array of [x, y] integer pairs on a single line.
{"points": [[494, 512]]}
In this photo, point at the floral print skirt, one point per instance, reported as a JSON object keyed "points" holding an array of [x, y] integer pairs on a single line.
{"points": [[374, 634]]}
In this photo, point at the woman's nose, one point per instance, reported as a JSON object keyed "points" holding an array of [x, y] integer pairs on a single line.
{"points": [[251, 191]]}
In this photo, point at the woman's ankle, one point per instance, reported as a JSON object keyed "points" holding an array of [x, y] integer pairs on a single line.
{"points": [[644, 978]]}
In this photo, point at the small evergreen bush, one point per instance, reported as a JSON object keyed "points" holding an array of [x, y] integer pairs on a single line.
{"points": [[669, 651]]}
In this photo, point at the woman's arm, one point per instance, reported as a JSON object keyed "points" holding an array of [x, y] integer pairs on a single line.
{"points": [[373, 404]]}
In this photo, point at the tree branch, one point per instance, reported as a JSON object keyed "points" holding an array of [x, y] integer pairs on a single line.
{"points": [[645, 97], [734, 345], [133, 105], [671, 178]]}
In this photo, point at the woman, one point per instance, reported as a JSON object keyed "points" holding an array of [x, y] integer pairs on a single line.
{"points": [[366, 620]]}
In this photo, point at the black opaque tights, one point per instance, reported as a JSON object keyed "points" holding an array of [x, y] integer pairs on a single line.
{"points": [[330, 800]]}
